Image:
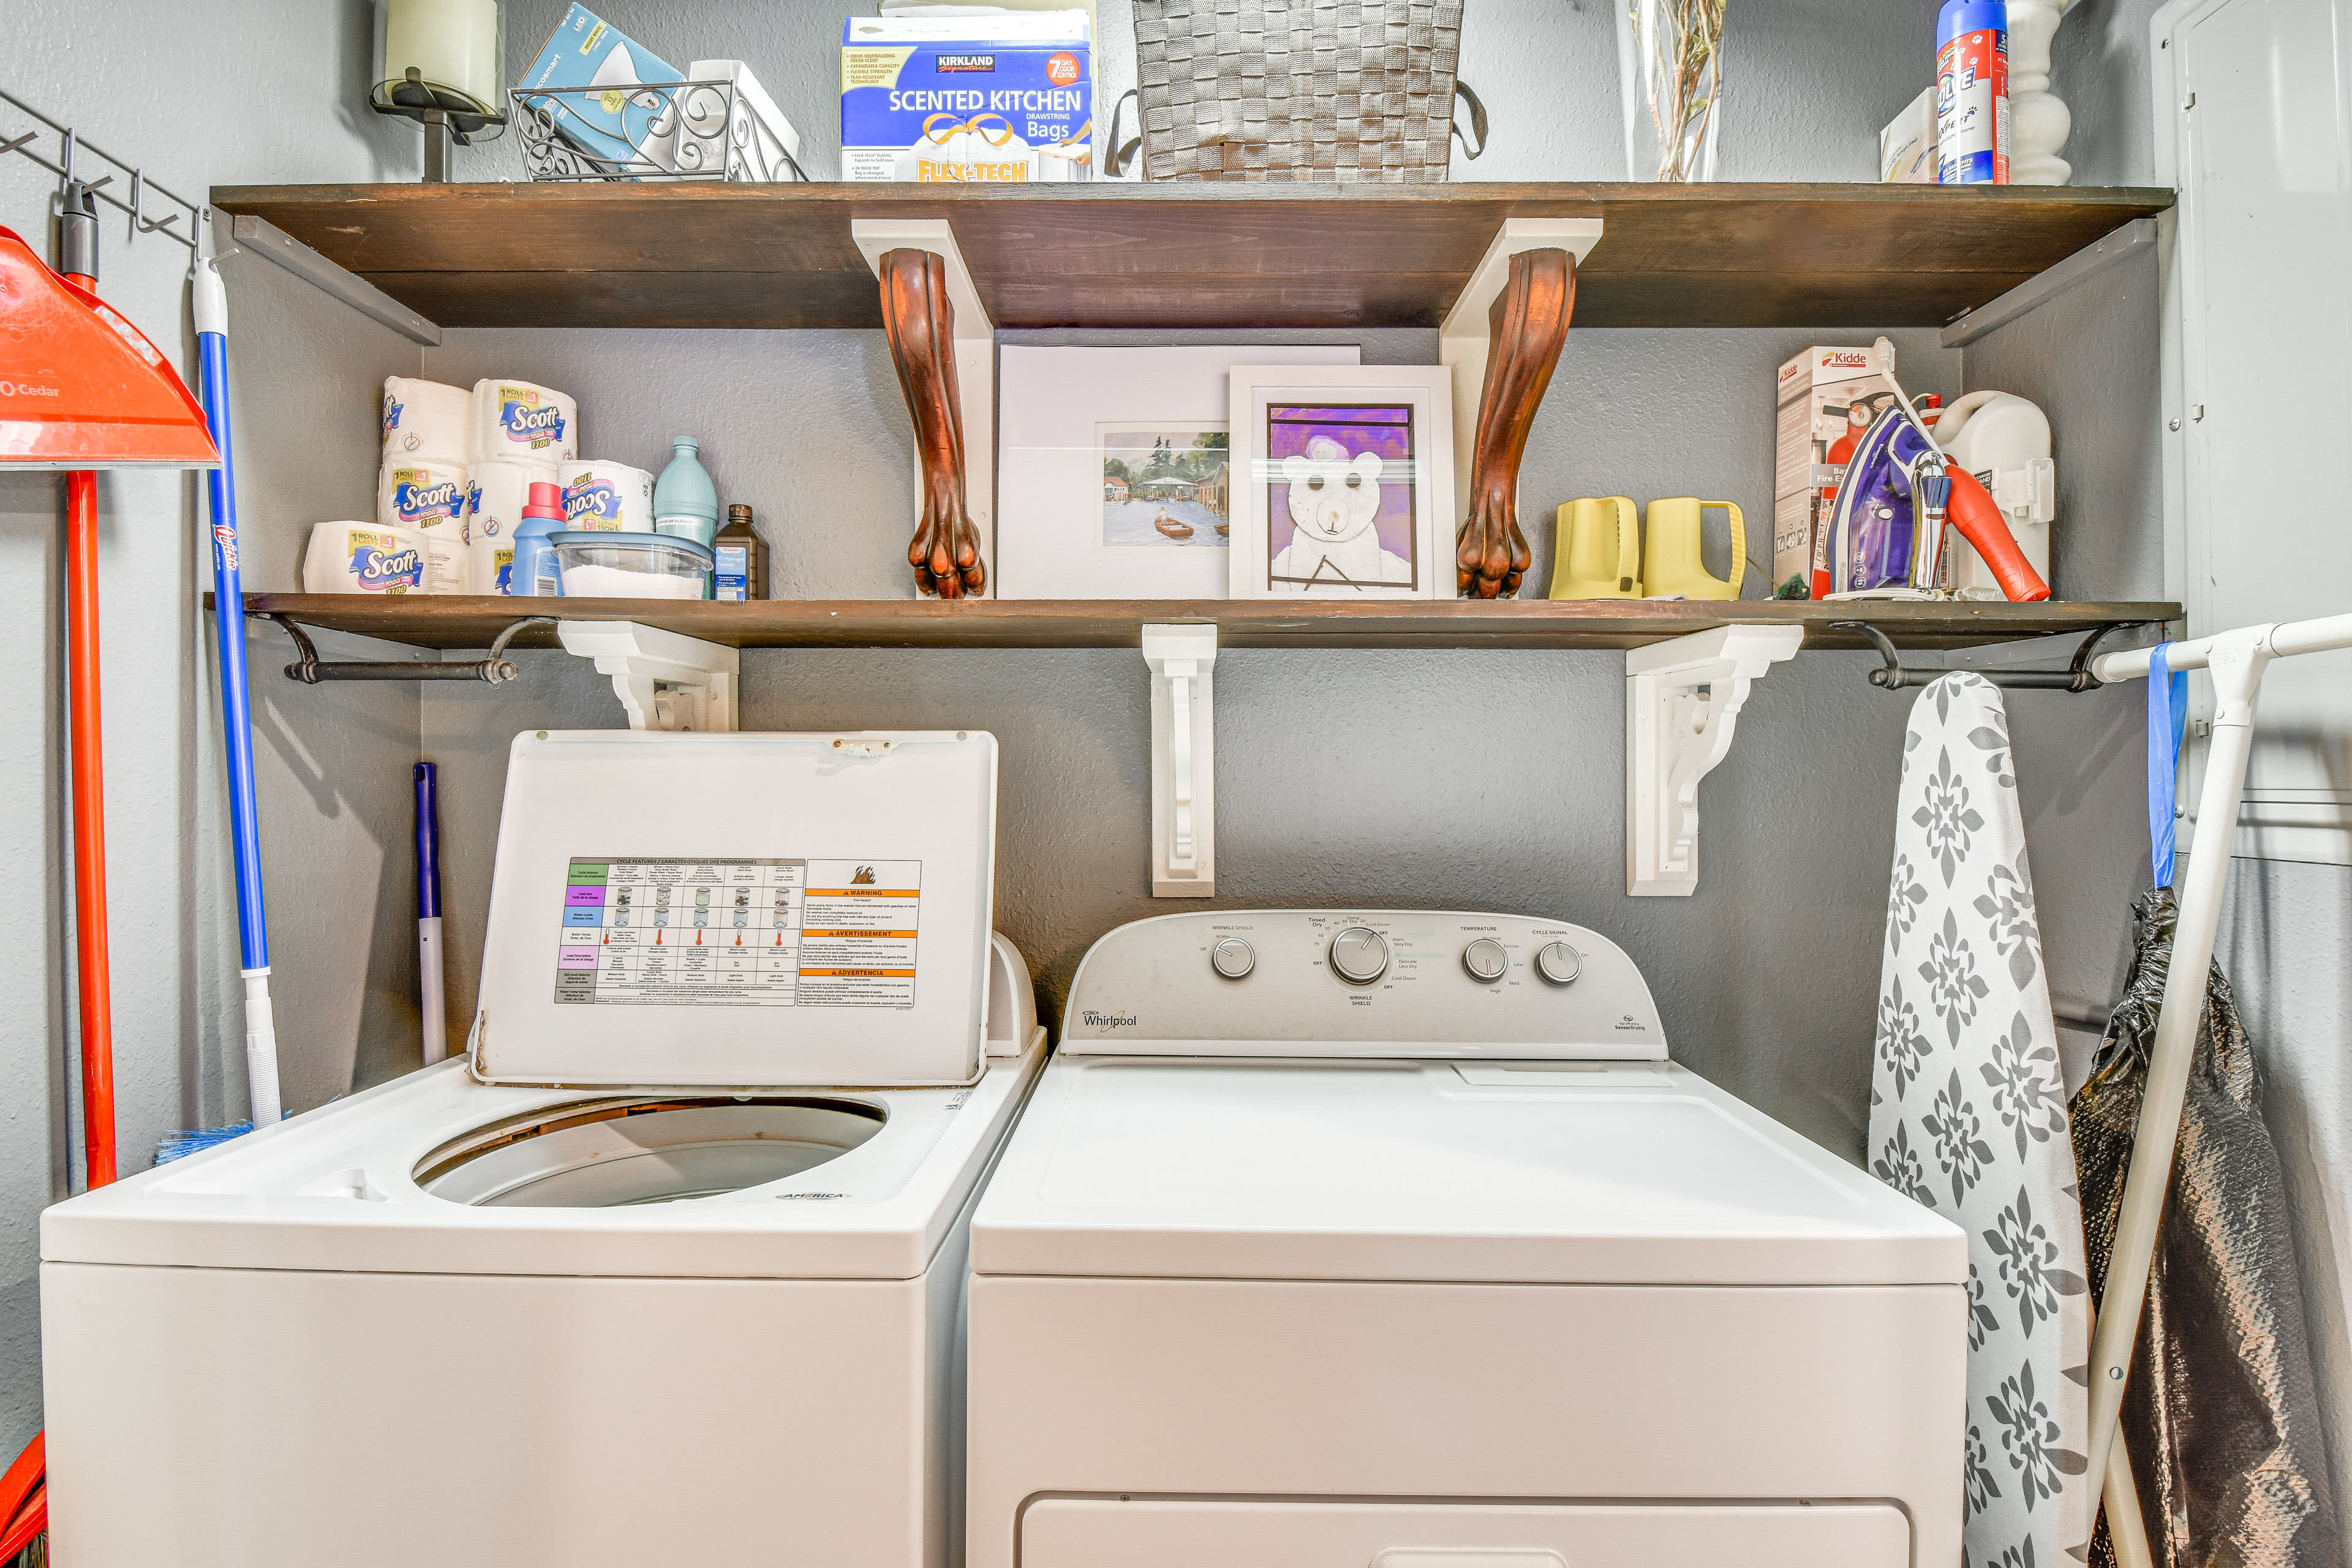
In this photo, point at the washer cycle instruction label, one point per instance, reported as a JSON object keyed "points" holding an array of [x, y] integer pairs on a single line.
{"points": [[740, 933]]}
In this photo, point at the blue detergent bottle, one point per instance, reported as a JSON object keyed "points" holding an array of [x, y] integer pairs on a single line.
{"points": [[1972, 93], [533, 572], [686, 503]]}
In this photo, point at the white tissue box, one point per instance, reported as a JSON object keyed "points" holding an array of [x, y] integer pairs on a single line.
{"points": [[762, 147]]}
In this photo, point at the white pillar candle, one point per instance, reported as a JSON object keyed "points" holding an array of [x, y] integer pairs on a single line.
{"points": [[452, 42]]}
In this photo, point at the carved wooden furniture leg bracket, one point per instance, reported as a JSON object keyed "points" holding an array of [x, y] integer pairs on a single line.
{"points": [[946, 552], [1529, 322]]}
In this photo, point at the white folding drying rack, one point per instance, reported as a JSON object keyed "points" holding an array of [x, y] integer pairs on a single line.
{"points": [[2236, 661]]}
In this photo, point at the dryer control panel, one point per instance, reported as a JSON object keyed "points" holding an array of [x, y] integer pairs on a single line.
{"points": [[1360, 982]]}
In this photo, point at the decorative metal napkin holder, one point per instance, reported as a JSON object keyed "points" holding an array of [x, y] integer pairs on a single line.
{"points": [[699, 130]]}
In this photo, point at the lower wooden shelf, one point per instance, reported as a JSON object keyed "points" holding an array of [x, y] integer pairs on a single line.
{"points": [[453, 622]]}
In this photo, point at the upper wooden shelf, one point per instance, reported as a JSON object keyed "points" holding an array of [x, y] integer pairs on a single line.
{"points": [[1221, 255], [466, 623]]}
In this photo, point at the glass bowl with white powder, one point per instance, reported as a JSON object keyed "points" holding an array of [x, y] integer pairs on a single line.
{"points": [[596, 565]]}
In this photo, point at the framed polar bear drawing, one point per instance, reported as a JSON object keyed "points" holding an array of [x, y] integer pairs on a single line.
{"points": [[1343, 482]]}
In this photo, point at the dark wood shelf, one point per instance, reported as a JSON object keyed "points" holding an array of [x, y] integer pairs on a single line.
{"points": [[454, 622], [1188, 255]]}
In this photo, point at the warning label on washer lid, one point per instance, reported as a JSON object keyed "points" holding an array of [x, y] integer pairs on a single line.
{"points": [[739, 933]]}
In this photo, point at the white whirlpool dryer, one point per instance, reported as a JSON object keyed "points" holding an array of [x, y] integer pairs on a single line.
{"points": [[1395, 1240], [668, 1271]]}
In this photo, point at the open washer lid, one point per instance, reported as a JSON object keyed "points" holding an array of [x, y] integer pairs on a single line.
{"points": [[740, 910]]}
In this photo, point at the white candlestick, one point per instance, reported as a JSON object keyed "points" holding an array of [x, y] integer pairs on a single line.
{"points": [[452, 42], [2039, 122]]}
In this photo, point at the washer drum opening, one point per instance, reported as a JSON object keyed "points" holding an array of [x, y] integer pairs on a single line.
{"points": [[608, 1154]]}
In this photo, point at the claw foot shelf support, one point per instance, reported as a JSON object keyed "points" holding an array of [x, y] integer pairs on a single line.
{"points": [[1502, 338], [945, 348], [1183, 760], [1682, 706]]}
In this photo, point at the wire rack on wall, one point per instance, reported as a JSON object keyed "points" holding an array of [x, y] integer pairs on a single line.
{"points": [[145, 197], [668, 131]]}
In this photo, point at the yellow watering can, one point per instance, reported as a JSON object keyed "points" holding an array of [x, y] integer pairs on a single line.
{"points": [[1673, 563], [1598, 549]]}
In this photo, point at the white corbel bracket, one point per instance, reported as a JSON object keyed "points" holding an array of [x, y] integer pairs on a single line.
{"points": [[1183, 760], [975, 358], [1681, 703], [666, 681], [1466, 340]]}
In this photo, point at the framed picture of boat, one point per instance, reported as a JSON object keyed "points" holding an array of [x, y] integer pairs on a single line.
{"points": [[1115, 473], [1165, 489], [1344, 482]]}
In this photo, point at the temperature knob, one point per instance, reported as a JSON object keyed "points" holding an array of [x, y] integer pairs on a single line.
{"points": [[1486, 960], [1359, 955], [1233, 958], [1559, 964]]}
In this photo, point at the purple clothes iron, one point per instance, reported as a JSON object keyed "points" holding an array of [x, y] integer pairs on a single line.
{"points": [[1871, 529]]}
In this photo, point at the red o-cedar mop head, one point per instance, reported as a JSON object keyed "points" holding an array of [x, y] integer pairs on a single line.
{"points": [[82, 388]]}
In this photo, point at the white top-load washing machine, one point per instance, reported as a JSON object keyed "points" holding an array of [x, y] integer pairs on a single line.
{"points": [[1395, 1240], [668, 1270]]}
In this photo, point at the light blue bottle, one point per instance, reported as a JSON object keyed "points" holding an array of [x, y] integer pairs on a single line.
{"points": [[686, 503], [533, 572]]}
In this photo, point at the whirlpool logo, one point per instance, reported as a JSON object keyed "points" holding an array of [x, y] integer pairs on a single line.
{"points": [[1094, 1020]]}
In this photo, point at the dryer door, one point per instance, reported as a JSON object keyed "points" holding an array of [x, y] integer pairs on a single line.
{"points": [[1085, 1532]]}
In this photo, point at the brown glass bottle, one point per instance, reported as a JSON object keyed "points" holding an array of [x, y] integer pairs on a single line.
{"points": [[742, 568]]}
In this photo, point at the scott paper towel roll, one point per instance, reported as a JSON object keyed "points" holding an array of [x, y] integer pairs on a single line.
{"points": [[607, 498], [495, 494], [523, 422], [420, 495], [426, 422], [448, 566], [363, 558]]}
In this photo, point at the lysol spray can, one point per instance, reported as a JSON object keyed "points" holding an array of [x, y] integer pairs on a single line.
{"points": [[1972, 93]]}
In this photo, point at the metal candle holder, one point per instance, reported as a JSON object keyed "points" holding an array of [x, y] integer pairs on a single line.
{"points": [[446, 113]]}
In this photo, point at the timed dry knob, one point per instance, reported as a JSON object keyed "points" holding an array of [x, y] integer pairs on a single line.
{"points": [[1233, 958], [1486, 960], [1359, 955], [1560, 963]]}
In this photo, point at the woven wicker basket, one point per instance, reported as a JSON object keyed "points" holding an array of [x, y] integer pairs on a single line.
{"points": [[1296, 90]]}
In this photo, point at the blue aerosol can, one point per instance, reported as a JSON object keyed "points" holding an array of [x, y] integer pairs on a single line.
{"points": [[1972, 93]]}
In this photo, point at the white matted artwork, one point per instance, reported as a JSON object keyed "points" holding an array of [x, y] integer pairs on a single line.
{"points": [[1114, 479], [1347, 487]]}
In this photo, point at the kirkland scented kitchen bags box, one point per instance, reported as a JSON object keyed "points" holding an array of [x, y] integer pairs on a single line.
{"points": [[1004, 99]]}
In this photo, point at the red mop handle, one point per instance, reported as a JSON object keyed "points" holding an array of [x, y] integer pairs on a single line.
{"points": [[1981, 524], [88, 828]]}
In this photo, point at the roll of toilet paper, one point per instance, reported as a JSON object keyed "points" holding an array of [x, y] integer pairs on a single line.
{"points": [[523, 422], [363, 558], [608, 498], [420, 495], [489, 565], [449, 562], [496, 494], [426, 422]]}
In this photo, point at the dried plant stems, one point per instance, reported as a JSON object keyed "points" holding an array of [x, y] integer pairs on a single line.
{"points": [[1681, 45]]}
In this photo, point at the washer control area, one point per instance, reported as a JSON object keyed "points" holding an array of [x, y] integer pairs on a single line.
{"points": [[1321, 983]]}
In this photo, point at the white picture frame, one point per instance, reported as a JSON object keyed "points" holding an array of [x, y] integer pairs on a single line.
{"points": [[1065, 414], [1350, 491]]}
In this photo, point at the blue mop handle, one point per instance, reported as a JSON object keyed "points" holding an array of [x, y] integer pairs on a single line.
{"points": [[228, 623], [428, 841]]}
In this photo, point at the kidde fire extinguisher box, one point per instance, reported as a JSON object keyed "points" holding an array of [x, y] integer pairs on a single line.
{"points": [[1823, 394], [962, 99]]}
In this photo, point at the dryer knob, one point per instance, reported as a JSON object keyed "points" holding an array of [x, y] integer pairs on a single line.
{"points": [[1486, 960], [1559, 964], [1233, 958], [1359, 955]]}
